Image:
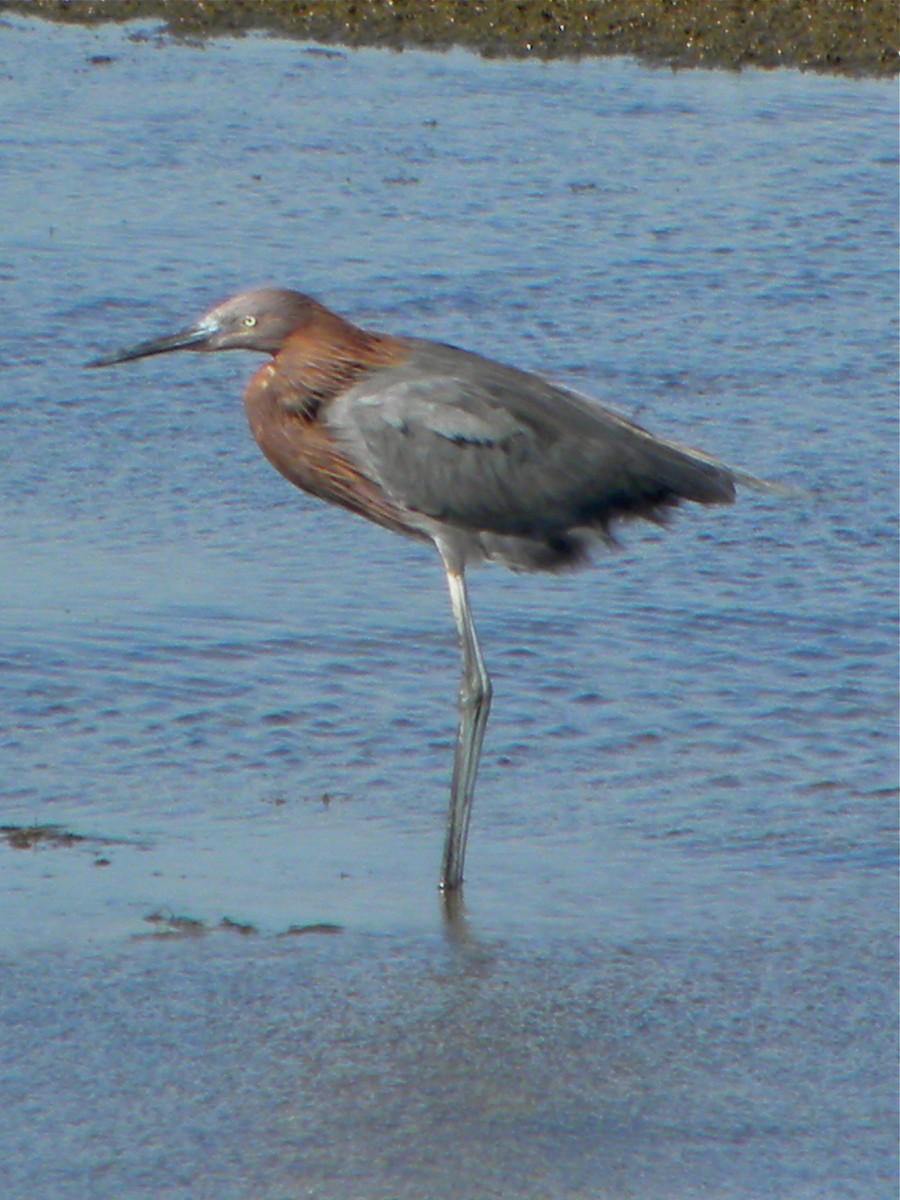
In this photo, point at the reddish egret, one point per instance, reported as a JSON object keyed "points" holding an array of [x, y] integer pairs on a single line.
{"points": [[484, 460]]}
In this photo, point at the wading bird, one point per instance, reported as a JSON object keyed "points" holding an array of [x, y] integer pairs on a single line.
{"points": [[484, 460]]}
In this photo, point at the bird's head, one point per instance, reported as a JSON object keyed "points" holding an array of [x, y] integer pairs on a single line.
{"points": [[260, 320]]}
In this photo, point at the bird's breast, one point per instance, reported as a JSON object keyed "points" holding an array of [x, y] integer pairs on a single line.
{"points": [[286, 426]]}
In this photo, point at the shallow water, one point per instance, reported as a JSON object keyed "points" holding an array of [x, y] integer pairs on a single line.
{"points": [[675, 973]]}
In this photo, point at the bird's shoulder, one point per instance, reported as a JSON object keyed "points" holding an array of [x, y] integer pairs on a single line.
{"points": [[443, 391]]}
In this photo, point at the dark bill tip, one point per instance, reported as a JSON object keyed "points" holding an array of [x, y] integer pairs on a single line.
{"points": [[185, 339]]}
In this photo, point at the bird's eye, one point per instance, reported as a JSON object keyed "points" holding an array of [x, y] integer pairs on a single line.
{"points": [[249, 322]]}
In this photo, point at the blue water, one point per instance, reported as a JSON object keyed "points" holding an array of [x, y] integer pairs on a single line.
{"points": [[676, 972]]}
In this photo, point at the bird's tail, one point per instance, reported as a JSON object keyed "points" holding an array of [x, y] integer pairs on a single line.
{"points": [[722, 471]]}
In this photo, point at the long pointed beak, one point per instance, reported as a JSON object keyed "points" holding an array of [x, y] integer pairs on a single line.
{"points": [[192, 338]]}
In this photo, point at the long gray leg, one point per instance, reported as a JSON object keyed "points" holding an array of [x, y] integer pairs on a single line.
{"points": [[474, 705]]}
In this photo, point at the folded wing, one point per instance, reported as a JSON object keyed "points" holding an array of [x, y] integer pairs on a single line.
{"points": [[484, 447]]}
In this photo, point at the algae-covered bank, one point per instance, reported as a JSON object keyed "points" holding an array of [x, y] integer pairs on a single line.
{"points": [[841, 36]]}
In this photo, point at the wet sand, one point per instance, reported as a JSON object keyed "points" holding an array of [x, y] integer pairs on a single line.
{"points": [[856, 37]]}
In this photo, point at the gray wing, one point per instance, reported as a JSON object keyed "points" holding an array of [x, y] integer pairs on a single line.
{"points": [[482, 446]]}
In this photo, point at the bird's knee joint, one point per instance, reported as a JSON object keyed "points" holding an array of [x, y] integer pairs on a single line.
{"points": [[475, 693]]}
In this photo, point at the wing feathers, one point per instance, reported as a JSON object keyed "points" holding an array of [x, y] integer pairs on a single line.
{"points": [[467, 441]]}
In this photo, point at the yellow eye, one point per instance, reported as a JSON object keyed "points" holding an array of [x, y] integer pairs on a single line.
{"points": [[249, 322]]}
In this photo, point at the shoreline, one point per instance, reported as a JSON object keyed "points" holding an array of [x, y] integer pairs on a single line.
{"points": [[841, 37]]}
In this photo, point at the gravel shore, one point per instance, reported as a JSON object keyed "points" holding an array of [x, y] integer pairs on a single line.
{"points": [[856, 37]]}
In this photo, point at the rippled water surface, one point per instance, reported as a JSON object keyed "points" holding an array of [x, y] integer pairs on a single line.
{"points": [[674, 975]]}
